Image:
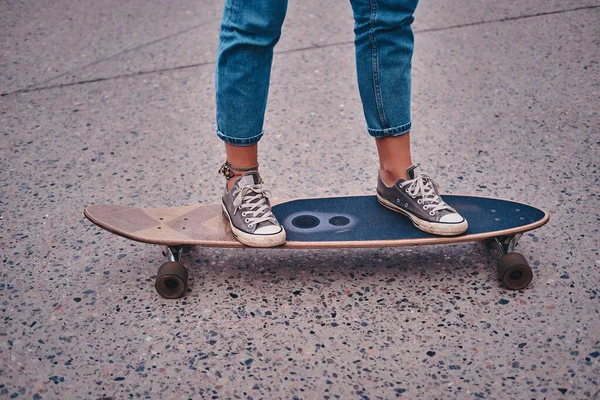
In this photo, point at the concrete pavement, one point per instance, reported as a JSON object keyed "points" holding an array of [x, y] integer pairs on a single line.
{"points": [[112, 102]]}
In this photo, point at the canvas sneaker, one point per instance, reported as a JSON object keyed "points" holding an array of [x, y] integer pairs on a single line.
{"points": [[418, 198], [248, 209]]}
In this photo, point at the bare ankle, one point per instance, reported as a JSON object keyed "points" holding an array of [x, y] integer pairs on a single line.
{"points": [[391, 176]]}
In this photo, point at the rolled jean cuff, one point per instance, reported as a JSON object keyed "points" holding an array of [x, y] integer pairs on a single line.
{"points": [[395, 131], [237, 141]]}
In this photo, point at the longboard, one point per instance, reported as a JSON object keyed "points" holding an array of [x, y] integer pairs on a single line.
{"points": [[327, 222]]}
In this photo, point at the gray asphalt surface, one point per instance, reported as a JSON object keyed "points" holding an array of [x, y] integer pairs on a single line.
{"points": [[113, 102]]}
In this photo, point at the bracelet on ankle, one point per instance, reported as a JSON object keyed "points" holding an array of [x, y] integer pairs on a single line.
{"points": [[226, 169]]}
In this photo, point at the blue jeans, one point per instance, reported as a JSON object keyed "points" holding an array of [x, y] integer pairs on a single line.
{"points": [[250, 30]]}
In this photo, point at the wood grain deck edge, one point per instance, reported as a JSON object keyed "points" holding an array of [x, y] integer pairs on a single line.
{"points": [[338, 244]]}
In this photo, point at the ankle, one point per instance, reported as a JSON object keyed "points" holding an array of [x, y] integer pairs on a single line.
{"points": [[236, 175], [391, 176]]}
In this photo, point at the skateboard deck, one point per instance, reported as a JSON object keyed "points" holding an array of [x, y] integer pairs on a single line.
{"points": [[352, 221], [329, 222]]}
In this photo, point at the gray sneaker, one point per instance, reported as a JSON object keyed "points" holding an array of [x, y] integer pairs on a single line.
{"points": [[418, 198], [248, 209]]}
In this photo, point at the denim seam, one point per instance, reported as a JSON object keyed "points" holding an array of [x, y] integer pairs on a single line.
{"points": [[394, 131], [239, 142], [375, 65]]}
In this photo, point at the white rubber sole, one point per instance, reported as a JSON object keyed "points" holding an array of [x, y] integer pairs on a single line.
{"points": [[435, 228], [272, 240]]}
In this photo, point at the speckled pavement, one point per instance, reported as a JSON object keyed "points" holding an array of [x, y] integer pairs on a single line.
{"points": [[112, 102]]}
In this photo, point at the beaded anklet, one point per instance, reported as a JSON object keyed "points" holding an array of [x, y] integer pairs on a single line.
{"points": [[226, 169]]}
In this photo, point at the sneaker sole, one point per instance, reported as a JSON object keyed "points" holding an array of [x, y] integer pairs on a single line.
{"points": [[435, 228], [273, 240]]}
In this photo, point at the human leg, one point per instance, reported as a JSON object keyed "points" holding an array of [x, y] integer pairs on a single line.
{"points": [[394, 157], [384, 44], [244, 157], [249, 32]]}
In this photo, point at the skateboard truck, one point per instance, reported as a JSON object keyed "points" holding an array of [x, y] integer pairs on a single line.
{"points": [[507, 244], [173, 253], [172, 276], [513, 269]]}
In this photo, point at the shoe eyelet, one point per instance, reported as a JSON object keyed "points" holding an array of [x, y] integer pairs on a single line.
{"points": [[420, 201], [431, 213], [243, 213], [425, 207], [247, 220], [250, 225]]}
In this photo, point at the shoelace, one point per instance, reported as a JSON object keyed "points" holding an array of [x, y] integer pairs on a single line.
{"points": [[425, 187], [253, 198]]}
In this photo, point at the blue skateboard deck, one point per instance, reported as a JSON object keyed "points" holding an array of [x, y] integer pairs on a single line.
{"points": [[362, 221]]}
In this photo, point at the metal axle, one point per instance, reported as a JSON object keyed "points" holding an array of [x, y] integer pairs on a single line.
{"points": [[173, 253], [507, 244]]}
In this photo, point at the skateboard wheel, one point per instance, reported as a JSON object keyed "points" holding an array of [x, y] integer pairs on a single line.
{"points": [[171, 280], [514, 271]]}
